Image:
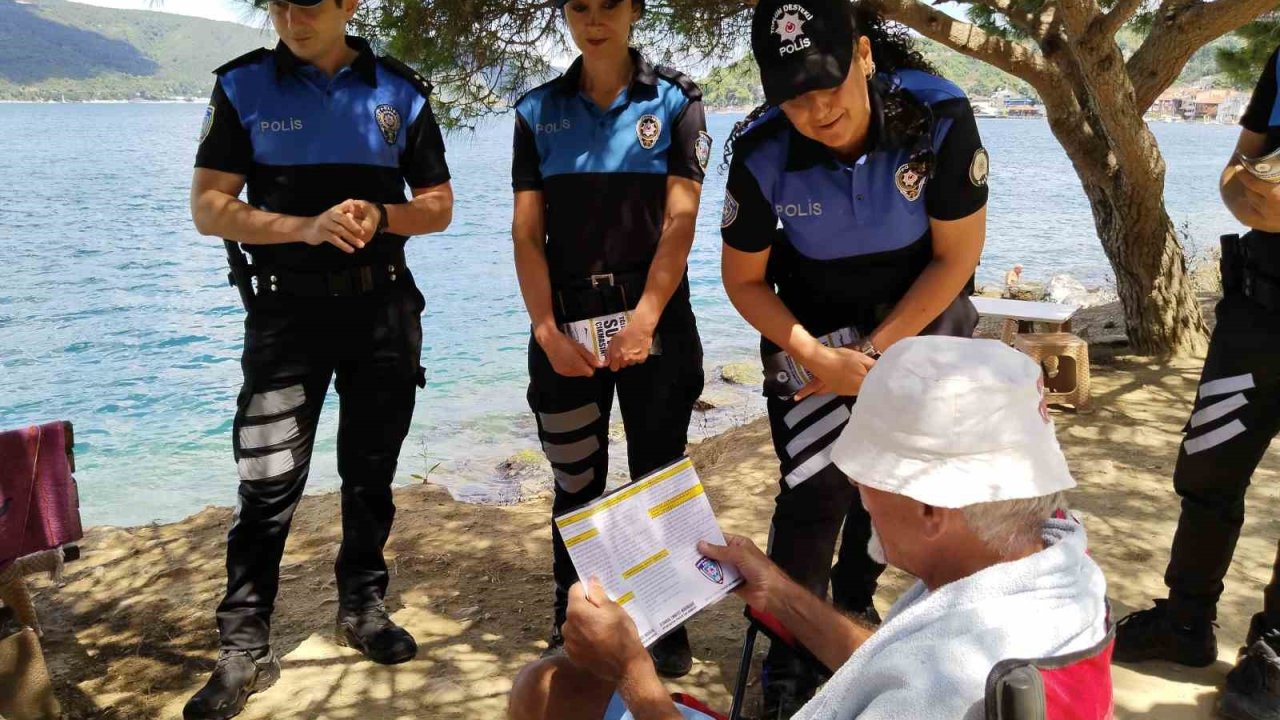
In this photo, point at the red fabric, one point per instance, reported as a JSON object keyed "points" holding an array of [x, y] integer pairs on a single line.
{"points": [[695, 704], [772, 625], [1081, 690], [39, 505]]}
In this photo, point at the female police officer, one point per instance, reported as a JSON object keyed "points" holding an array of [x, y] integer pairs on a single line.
{"points": [[873, 170], [325, 135], [607, 171]]}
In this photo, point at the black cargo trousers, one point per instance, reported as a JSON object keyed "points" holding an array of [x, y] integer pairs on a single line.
{"points": [[656, 399], [293, 348], [1235, 417]]}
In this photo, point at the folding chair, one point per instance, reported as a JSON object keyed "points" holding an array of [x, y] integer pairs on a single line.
{"points": [[1076, 686], [759, 622]]}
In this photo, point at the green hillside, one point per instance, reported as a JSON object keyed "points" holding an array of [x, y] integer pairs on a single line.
{"points": [[54, 49], [737, 85]]}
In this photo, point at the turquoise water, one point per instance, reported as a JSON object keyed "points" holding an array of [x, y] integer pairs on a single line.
{"points": [[115, 314]]}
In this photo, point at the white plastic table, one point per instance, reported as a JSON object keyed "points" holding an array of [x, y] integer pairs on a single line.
{"points": [[1020, 315]]}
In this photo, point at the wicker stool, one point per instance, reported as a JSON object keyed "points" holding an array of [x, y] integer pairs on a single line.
{"points": [[1049, 350]]}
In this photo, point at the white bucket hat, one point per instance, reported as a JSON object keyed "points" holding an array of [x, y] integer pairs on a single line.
{"points": [[952, 422]]}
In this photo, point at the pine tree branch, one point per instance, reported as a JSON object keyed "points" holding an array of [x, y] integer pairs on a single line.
{"points": [[1010, 56], [1121, 13], [1180, 28]]}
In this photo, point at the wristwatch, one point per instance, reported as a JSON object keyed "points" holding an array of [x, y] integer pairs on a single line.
{"points": [[382, 217], [868, 348]]}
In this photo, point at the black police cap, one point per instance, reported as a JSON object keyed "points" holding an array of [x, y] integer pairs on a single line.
{"points": [[802, 45]]}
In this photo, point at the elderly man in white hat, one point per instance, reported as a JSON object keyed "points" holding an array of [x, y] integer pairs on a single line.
{"points": [[954, 455]]}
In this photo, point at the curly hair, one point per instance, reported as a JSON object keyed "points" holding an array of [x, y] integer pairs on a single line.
{"points": [[892, 50]]}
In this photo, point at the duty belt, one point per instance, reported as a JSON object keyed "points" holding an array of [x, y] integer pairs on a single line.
{"points": [[254, 281], [599, 294], [1241, 274]]}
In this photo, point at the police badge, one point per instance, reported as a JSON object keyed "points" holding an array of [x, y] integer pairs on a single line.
{"points": [[979, 168], [388, 122], [207, 125], [702, 149], [711, 570], [730, 212], [647, 130], [910, 180]]}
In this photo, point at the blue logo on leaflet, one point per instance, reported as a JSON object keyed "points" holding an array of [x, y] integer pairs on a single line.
{"points": [[711, 570]]}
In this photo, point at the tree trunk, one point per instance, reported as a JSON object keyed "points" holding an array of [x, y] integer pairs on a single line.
{"points": [[1123, 174]]}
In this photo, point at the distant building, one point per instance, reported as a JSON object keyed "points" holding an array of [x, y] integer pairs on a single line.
{"points": [[1230, 110], [1205, 106]]}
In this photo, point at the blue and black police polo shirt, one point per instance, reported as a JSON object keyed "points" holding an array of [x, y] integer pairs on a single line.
{"points": [[305, 142], [603, 173], [854, 236]]}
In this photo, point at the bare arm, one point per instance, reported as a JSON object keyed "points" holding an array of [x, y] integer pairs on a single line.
{"points": [[957, 247], [632, 345], [429, 211], [672, 257], [216, 209], [528, 235], [743, 274], [819, 627], [1253, 202], [823, 630]]}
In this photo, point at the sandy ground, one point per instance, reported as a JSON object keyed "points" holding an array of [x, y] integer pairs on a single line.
{"points": [[130, 634]]}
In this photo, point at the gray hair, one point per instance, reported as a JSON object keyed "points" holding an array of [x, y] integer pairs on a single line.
{"points": [[1004, 526]]}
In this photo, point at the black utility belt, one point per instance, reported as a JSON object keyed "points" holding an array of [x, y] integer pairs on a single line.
{"points": [[783, 376], [598, 295], [593, 311], [1241, 275], [267, 281]]}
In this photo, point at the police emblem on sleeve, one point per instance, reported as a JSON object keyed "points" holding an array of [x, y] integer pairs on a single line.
{"points": [[979, 168], [711, 570], [388, 122], [647, 130], [910, 180], [207, 125], [730, 212], [702, 149]]}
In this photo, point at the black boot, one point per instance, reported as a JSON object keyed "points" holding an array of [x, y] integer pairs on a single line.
{"points": [[1252, 691], [672, 657], [372, 633], [236, 676], [1152, 635]]}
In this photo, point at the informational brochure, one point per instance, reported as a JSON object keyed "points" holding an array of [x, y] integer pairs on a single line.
{"points": [[596, 333], [1266, 167], [641, 542], [783, 376]]}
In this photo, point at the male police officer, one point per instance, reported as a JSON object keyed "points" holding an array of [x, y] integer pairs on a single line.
{"points": [[325, 135], [1236, 415]]}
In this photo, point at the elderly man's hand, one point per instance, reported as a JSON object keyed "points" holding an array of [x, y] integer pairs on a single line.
{"points": [[599, 636], [762, 577]]}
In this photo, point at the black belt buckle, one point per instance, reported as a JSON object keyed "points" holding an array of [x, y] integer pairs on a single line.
{"points": [[605, 279], [339, 284]]}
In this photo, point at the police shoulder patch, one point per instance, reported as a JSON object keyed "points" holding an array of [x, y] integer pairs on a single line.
{"points": [[413, 76], [910, 179], [730, 212], [702, 149], [248, 58], [685, 83], [207, 125], [979, 168]]}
